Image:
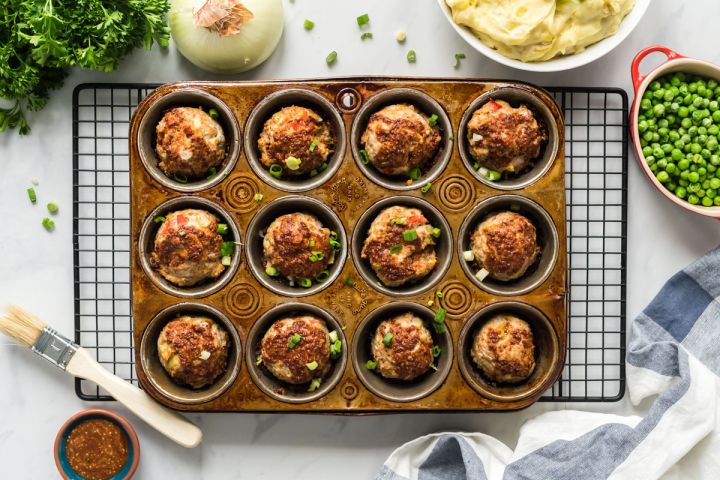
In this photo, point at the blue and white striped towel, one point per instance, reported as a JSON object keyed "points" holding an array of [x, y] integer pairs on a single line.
{"points": [[674, 352]]}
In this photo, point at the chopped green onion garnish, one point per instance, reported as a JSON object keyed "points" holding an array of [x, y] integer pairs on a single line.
{"points": [[227, 261], [311, 243], [276, 170], [370, 365], [436, 232], [432, 365], [458, 57], [180, 178], [440, 315], [476, 166], [468, 255], [222, 228], [415, 173], [411, 57], [335, 244], [211, 173], [313, 145], [213, 113], [364, 157], [305, 282], [330, 59], [271, 271], [258, 197], [159, 219], [322, 276], [294, 340], [515, 207], [433, 120], [316, 256], [308, 24], [227, 249], [492, 175], [366, 36], [258, 361], [348, 281], [48, 224], [33, 196], [440, 328], [333, 336], [363, 19], [426, 188], [52, 207], [395, 249], [439, 294], [333, 235], [336, 349], [387, 339], [322, 167], [314, 384], [436, 351], [292, 163], [312, 365], [400, 221], [410, 235]]}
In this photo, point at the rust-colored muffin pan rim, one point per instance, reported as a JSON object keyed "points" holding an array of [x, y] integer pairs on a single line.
{"points": [[348, 192]]}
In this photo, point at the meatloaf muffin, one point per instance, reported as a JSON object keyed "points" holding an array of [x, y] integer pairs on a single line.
{"points": [[297, 134], [400, 246], [504, 138], [399, 138], [402, 347], [505, 245], [193, 350], [187, 248], [296, 350], [189, 144], [504, 349]]}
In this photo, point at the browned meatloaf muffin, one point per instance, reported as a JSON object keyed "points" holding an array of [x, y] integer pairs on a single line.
{"points": [[187, 248], [189, 144], [297, 362], [296, 133], [504, 349], [505, 245], [399, 138], [408, 354], [193, 350], [504, 138]]}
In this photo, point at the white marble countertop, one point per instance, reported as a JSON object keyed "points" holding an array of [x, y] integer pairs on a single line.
{"points": [[35, 398]]}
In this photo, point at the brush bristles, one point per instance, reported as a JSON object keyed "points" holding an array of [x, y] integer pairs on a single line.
{"points": [[21, 325]]}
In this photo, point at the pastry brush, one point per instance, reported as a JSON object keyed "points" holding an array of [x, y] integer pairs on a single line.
{"points": [[30, 331]]}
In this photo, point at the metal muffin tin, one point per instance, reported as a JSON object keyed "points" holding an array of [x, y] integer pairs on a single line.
{"points": [[346, 199]]}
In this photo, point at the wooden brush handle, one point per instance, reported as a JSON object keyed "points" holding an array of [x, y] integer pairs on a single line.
{"points": [[170, 424]]}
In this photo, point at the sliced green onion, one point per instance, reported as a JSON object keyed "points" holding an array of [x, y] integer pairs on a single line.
{"points": [[493, 176], [322, 276], [313, 145], [333, 235], [294, 341], [312, 365], [227, 261], [440, 328], [212, 173], [305, 282], [32, 195], [387, 339], [213, 113], [432, 365], [415, 173], [363, 19], [476, 166], [482, 274], [313, 172], [48, 224], [433, 120], [258, 197], [333, 336], [258, 361], [159, 219], [411, 57], [458, 57], [395, 249], [370, 365], [335, 349], [439, 294], [292, 163], [331, 58], [314, 384], [436, 351], [180, 178], [222, 228], [515, 207], [276, 170], [410, 235], [426, 188], [440, 315], [311, 243], [400, 221], [436, 232], [468, 255], [316, 256], [308, 24], [335, 244], [348, 281], [366, 36], [271, 271], [52, 207], [322, 167], [227, 249], [364, 157]]}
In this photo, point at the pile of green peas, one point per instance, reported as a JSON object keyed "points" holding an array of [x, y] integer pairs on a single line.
{"points": [[679, 127]]}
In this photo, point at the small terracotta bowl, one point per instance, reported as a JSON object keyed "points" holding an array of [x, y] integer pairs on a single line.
{"points": [[61, 460]]}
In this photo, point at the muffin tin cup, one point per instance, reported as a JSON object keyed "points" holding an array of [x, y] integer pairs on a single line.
{"points": [[147, 240], [155, 372], [272, 104], [515, 96], [547, 353], [277, 389], [547, 236], [443, 246], [394, 390], [282, 206], [428, 106], [187, 97]]}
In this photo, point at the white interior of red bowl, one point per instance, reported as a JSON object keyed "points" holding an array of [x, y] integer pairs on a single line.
{"points": [[687, 65]]}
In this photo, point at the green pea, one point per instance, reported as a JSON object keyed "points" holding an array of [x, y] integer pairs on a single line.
{"points": [[645, 104], [716, 201], [648, 136], [642, 126], [695, 148], [707, 202], [663, 176], [706, 154], [650, 160], [711, 193], [702, 130], [716, 116], [700, 193], [693, 199], [681, 192], [677, 155], [682, 182], [661, 163], [647, 151], [714, 106], [706, 185], [701, 172], [659, 110], [697, 116], [671, 168], [693, 177], [715, 160], [686, 123], [713, 130], [682, 112], [683, 163]]}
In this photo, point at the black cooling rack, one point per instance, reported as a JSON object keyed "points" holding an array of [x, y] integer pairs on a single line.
{"points": [[596, 187]]}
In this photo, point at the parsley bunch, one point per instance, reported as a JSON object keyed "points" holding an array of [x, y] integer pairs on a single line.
{"points": [[41, 39]]}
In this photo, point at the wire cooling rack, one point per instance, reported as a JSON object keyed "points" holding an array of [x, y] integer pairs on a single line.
{"points": [[596, 188]]}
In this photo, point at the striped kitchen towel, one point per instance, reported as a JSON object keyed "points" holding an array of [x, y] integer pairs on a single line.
{"points": [[674, 353]]}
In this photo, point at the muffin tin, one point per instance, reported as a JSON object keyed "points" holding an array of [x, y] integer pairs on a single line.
{"points": [[344, 197]]}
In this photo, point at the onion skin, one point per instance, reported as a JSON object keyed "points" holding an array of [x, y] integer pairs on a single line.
{"points": [[255, 42]]}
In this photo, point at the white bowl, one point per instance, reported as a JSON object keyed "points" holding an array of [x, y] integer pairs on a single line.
{"points": [[674, 63], [558, 64]]}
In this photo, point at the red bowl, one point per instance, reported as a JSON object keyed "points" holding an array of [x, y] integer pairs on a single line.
{"points": [[675, 63]]}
